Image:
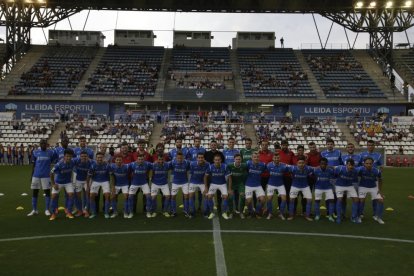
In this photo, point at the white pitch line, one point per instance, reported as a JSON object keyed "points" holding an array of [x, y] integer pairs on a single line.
{"points": [[221, 267], [323, 235]]}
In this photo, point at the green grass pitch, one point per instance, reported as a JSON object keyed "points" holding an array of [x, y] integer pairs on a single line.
{"points": [[142, 246]]}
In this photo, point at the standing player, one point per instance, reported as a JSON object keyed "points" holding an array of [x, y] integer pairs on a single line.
{"points": [[63, 171], [2, 155], [238, 175], [276, 171], [82, 167], [98, 177], [371, 183], [323, 186], [179, 170], [83, 147], [60, 152], [119, 183], [21, 155], [300, 174], [247, 152], [230, 151], [255, 169], [178, 147], [333, 155], [197, 171], [345, 177], [140, 175], [141, 151], [196, 149], [218, 174], [350, 154], [42, 160], [209, 156], [160, 182], [286, 157]]}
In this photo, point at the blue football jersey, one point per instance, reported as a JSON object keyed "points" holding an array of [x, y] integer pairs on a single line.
{"points": [[300, 177], [121, 174], [218, 174], [160, 173], [89, 151], [42, 162], [193, 152], [173, 153], [355, 157], [334, 157], [276, 173], [179, 171], [323, 178], [369, 178], [229, 155], [344, 177], [374, 155], [63, 172], [197, 172], [140, 172], [82, 169], [254, 172], [100, 172]]}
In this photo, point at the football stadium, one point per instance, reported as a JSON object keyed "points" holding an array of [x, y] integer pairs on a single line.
{"points": [[220, 137]]}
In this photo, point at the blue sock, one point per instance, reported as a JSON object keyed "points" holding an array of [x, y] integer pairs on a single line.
{"points": [[200, 200], [78, 203], [154, 205], [361, 207], [308, 207], [106, 206], [331, 208], [67, 201], [344, 207], [93, 206], [47, 202], [126, 206], [54, 205], [374, 206], [355, 206], [339, 210], [379, 208], [186, 210], [291, 207], [70, 203], [148, 203], [85, 200], [192, 205], [167, 203], [206, 207], [258, 207], [269, 207], [317, 208], [210, 205], [225, 205], [34, 203], [114, 204], [282, 207], [173, 206], [130, 203]]}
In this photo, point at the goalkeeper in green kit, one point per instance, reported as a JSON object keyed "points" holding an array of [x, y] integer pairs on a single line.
{"points": [[247, 152], [238, 176]]}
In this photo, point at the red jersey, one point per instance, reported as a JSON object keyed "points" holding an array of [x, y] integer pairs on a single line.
{"points": [[314, 158], [147, 156], [296, 157], [154, 157], [265, 157], [286, 157], [126, 159]]}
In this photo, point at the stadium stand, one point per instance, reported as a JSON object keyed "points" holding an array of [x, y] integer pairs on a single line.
{"points": [[273, 73], [26, 131], [340, 75], [404, 63], [309, 130], [126, 71], [57, 72], [111, 133], [396, 138]]}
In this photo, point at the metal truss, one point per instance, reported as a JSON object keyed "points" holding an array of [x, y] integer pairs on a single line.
{"points": [[380, 24], [19, 17]]}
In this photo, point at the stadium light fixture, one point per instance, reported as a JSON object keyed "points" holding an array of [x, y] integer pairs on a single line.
{"points": [[359, 4], [389, 4], [130, 104], [372, 4], [267, 105], [408, 4]]}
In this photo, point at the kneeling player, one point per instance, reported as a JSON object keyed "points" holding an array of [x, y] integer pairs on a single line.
{"points": [[323, 186], [63, 172], [160, 182], [119, 183], [218, 174], [368, 185], [197, 171], [277, 171], [345, 177], [300, 174]]}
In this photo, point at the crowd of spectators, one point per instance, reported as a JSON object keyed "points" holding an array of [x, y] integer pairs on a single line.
{"points": [[336, 62]]}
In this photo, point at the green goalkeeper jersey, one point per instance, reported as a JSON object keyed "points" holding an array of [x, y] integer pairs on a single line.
{"points": [[238, 174], [246, 154]]}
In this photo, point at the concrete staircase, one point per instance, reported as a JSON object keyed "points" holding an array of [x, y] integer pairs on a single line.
{"points": [[251, 133], [238, 83], [311, 77], [54, 138], [156, 133], [347, 134], [89, 72], [375, 72], [162, 79], [23, 65]]}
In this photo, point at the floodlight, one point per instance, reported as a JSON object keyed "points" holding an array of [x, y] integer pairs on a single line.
{"points": [[359, 4], [372, 4], [408, 4], [389, 4]]}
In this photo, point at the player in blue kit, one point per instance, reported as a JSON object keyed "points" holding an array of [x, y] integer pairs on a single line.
{"points": [[60, 151], [178, 147], [371, 183], [195, 150], [197, 173], [63, 171], [334, 156], [159, 181], [217, 175], [82, 167], [345, 177], [179, 170], [323, 186], [230, 151], [275, 183], [42, 160], [300, 174], [350, 154], [119, 183], [253, 184], [98, 177], [140, 179], [83, 147]]}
